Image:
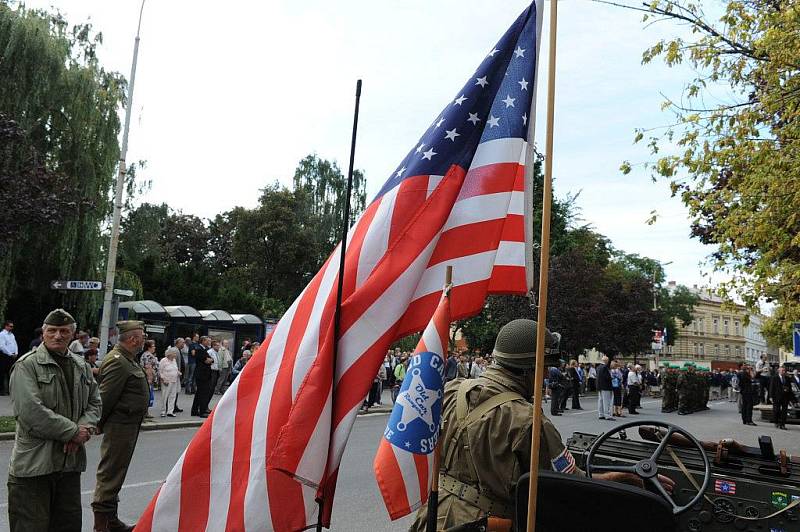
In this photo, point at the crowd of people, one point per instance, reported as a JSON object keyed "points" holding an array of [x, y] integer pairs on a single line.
{"points": [[765, 384]]}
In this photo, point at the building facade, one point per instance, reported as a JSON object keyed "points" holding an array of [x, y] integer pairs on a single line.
{"points": [[719, 335]]}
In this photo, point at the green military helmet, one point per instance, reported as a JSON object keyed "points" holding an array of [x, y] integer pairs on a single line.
{"points": [[515, 346]]}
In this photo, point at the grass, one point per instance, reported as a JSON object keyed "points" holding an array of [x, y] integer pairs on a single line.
{"points": [[7, 424]]}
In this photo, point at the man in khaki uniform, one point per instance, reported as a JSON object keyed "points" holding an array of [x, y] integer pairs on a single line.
{"points": [[487, 432], [125, 394], [56, 406]]}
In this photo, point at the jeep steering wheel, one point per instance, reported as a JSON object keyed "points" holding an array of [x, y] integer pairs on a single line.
{"points": [[647, 469]]}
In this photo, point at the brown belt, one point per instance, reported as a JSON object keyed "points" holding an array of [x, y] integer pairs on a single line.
{"points": [[472, 495]]}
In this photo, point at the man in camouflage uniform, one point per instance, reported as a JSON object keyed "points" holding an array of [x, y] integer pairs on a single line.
{"points": [[126, 395], [686, 390], [56, 406], [487, 431], [669, 401]]}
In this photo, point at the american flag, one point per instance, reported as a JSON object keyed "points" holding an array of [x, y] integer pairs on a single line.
{"points": [[274, 442], [404, 461], [564, 462]]}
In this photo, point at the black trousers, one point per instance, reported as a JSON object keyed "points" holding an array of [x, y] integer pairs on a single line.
{"points": [[747, 408], [201, 397], [780, 409], [564, 395], [5, 370], [634, 393], [576, 392], [555, 399], [46, 502]]}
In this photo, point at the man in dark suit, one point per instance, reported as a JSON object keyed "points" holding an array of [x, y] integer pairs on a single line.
{"points": [[748, 390], [780, 389], [202, 375]]}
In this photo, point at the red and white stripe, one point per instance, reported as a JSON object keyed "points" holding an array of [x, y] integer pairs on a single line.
{"points": [[404, 478], [275, 440]]}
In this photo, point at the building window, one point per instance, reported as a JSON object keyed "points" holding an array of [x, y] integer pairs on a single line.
{"points": [[727, 350], [738, 352], [716, 350], [716, 326], [702, 325], [702, 349], [736, 327], [695, 325], [725, 328]]}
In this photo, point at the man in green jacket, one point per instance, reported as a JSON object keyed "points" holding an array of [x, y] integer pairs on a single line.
{"points": [[126, 395], [57, 406]]}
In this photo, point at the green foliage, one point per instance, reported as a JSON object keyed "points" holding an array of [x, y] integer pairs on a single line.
{"points": [[737, 164], [66, 106], [253, 261]]}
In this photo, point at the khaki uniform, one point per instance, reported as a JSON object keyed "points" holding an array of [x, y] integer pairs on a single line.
{"points": [[490, 451], [43, 480], [125, 394]]}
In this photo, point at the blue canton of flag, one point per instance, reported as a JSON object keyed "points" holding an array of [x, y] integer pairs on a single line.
{"points": [[493, 104]]}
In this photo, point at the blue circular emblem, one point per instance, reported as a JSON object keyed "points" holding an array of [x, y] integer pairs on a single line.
{"points": [[414, 423]]}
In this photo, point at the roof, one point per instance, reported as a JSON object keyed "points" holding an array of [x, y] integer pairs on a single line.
{"points": [[216, 315], [247, 318], [145, 306], [183, 311]]}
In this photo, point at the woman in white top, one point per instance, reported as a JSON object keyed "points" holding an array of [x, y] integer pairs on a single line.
{"points": [[170, 381]]}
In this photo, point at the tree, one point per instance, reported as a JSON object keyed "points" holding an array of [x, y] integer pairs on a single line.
{"points": [[737, 166], [65, 105]]}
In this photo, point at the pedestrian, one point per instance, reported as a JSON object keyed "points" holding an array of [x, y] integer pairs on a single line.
{"points": [[605, 390], [80, 343], [733, 389], [634, 389], [189, 381], [781, 393], [463, 367], [478, 367], [56, 405], [225, 363], [576, 384], [450, 367], [616, 386], [203, 378], [182, 359], [37, 338], [125, 394], [240, 364], [170, 381], [763, 375], [399, 376], [592, 378], [90, 357], [582, 378], [554, 379], [149, 363], [8, 354], [566, 386], [747, 390], [214, 353]]}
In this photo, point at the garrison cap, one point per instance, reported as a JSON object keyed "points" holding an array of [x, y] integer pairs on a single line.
{"points": [[59, 317], [129, 325], [515, 346]]}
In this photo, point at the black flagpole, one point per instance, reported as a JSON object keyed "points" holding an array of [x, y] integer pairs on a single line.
{"points": [[337, 317]]}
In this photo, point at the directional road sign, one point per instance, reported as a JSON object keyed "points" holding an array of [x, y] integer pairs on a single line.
{"points": [[796, 338], [76, 285]]}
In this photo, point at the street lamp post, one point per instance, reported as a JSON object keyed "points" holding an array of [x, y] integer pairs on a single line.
{"points": [[111, 266]]}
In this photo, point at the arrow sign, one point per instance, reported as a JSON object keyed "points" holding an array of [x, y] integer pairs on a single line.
{"points": [[796, 339], [76, 285]]}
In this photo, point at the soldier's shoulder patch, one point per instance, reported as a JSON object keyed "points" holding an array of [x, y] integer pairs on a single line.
{"points": [[564, 462]]}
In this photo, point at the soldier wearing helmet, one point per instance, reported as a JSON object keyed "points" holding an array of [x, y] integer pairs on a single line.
{"points": [[486, 434]]}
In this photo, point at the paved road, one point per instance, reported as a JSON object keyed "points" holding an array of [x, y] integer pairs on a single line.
{"points": [[358, 504]]}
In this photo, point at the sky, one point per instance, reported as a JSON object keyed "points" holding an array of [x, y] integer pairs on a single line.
{"points": [[230, 96]]}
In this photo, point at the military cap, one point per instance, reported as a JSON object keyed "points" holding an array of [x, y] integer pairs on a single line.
{"points": [[515, 345], [59, 317], [129, 325]]}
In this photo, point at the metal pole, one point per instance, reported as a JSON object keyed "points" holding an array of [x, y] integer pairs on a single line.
{"points": [[433, 500], [337, 318], [111, 266], [544, 267]]}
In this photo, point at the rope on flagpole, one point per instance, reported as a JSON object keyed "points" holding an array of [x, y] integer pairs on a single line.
{"points": [[433, 499], [544, 267]]}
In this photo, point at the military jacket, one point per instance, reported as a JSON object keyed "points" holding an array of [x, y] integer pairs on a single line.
{"points": [[494, 452], [46, 417], [123, 388]]}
